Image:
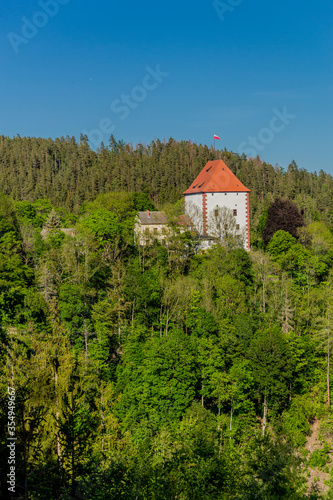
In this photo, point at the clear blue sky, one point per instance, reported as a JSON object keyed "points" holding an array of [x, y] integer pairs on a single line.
{"points": [[232, 70]]}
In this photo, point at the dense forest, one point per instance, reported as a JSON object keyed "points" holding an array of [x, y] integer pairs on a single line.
{"points": [[160, 372]]}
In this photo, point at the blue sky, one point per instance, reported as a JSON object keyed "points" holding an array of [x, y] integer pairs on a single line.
{"points": [[257, 73]]}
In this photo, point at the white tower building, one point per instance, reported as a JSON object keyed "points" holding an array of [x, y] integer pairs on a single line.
{"points": [[217, 187]]}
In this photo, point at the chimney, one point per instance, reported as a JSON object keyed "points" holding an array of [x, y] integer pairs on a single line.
{"points": [[148, 213]]}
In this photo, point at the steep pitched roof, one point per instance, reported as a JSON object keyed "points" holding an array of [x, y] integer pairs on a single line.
{"points": [[216, 177], [152, 217]]}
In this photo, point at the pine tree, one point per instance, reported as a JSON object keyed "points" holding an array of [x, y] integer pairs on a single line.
{"points": [[53, 221]]}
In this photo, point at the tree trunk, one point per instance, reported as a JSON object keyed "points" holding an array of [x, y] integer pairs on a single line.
{"points": [[25, 454], [133, 314], [167, 323], [102, 422], [328, 359], [328, 373], [231, 416], [161, 320], [264, 422], [86, 338], [57, 414]]}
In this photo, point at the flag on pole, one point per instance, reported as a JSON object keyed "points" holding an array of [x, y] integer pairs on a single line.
{"points": [[217, 137]]}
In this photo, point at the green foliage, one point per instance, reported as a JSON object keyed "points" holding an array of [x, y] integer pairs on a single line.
{"points": [[43, 207], [293, 257], [73, 310], [54, 238], [153, 372], [8, 217], [296, 420], [230, 295], [103, 224], [271, 364], [281, 243], [122, 204], [157, 381], [53, 221], [273, 467], [262, 222], [71, 174], [76, 425], [28, 215], [15, 275], [142, 202], [319, 458]]}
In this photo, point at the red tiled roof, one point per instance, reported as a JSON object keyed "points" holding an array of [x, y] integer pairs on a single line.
{"points": [[216, 177]]}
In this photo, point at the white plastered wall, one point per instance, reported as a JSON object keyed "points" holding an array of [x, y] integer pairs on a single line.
{"points": [[233, 201], [196, 199]]}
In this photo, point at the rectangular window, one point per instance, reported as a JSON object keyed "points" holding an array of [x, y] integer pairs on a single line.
{"points": [[216, 212], [235, 212], [237, 226]]}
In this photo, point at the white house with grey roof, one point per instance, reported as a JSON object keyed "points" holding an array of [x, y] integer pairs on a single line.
{"points": [[149, 226]]}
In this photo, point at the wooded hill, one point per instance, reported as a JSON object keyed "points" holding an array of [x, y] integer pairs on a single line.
{"points": [[157, 372], [70, 173]]}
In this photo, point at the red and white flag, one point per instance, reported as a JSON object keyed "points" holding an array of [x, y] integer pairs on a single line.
{"points": [[217, 137]]}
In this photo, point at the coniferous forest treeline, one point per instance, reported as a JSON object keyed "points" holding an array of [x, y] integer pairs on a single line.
{"points": [[159, 372], [70, 173]]}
